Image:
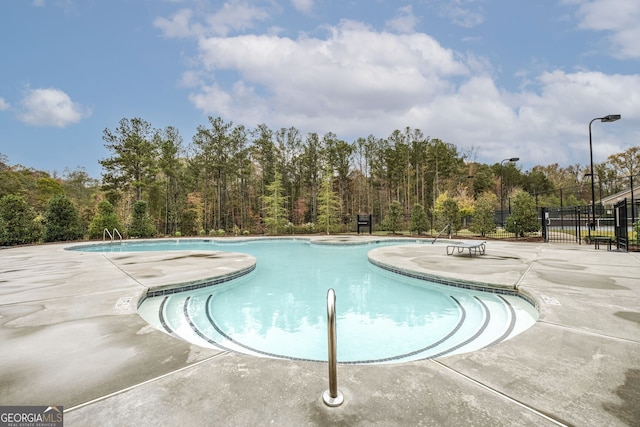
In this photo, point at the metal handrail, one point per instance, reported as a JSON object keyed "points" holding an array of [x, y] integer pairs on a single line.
{"points": [[112, 235], [440, 233], [332, 397]]}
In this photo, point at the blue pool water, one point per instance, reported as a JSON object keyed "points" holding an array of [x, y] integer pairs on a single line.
{"points": [[279, 310]]}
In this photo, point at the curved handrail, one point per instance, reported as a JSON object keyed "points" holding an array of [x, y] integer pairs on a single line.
{"points": [[112, 235], [332, 397]]}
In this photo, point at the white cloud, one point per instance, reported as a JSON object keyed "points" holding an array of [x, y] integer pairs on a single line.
{"points": [[619, 18], [178, 25], [4, 105], [304, 6], [355, 72], [547, 124], [404, 22], [566, 102], [50, 107], [465, 13], [233, 16], [68, 6], [356, 81], [192, 78]]}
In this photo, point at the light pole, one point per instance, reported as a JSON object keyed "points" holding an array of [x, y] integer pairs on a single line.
{"points": [[605, 119], [512, 159], [633, 203]]}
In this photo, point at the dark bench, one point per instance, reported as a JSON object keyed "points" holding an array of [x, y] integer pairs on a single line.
{"points": [[601, 239]]}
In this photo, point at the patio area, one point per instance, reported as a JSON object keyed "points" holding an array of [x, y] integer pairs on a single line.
{"points": [[71, 336]]}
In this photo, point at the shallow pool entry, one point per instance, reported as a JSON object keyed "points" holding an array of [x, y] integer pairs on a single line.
{"points": [[279, 309]]}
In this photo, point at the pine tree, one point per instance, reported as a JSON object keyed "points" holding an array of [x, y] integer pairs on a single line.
{"points": [[328, 204], [133, 157], [275, 218], [141, 224]]}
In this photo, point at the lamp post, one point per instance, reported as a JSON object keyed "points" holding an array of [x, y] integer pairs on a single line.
{"points": [[512, 159], [605, 119], [633, 203]]}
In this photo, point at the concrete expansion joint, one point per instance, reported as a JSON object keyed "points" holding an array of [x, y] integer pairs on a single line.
{"points": [[151, 380], [123, 272], [499, 393], [526, 272], [595, 334]]}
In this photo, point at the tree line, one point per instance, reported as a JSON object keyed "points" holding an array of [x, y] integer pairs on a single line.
{"points": [[232, 180]]}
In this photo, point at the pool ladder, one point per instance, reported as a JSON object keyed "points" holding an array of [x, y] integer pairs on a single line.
{"points": [[332, 397], [112, 235], [440, 233]]}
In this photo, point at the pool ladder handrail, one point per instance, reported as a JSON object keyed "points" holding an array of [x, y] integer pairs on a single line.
{"points": [[332, 397], [440, 233], [112, 235]]}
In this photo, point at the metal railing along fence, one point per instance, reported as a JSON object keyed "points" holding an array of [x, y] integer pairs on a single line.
{"points": [[564, 224]]}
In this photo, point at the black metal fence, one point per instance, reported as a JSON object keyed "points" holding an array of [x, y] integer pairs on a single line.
{"points": [[621, 225], [564, 224], [575, 224], [578, 224], [434, 230]]}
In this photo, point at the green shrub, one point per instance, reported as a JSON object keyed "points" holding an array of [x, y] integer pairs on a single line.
{"points": [[524, 216], [483, 210], [18, 225], [447, 212], [419, 221], [61, 220], [104, 219], [393, 221]]}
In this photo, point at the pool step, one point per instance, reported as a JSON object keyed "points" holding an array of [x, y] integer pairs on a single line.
{"points": [[485, 320]]}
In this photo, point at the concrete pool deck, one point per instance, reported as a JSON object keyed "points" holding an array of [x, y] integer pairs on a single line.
{"points": [[71, 336]]}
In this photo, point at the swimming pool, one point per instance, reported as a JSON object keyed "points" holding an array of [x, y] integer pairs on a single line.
{"points": [[279, 309]]}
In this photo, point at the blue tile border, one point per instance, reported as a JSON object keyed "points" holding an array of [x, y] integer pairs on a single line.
{"points": [[476, 286], [200, 284]]}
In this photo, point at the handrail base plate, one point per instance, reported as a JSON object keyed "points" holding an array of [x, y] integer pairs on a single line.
{"points": [[332, 401]]}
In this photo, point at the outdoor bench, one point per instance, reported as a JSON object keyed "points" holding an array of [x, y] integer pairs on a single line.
{"points": [[601, 239]]}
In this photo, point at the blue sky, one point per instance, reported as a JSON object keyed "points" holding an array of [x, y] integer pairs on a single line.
{"points": [[497, 78]]}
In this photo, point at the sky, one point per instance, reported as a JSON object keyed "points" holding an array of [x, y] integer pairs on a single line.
{"points": [[496, 78]]}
